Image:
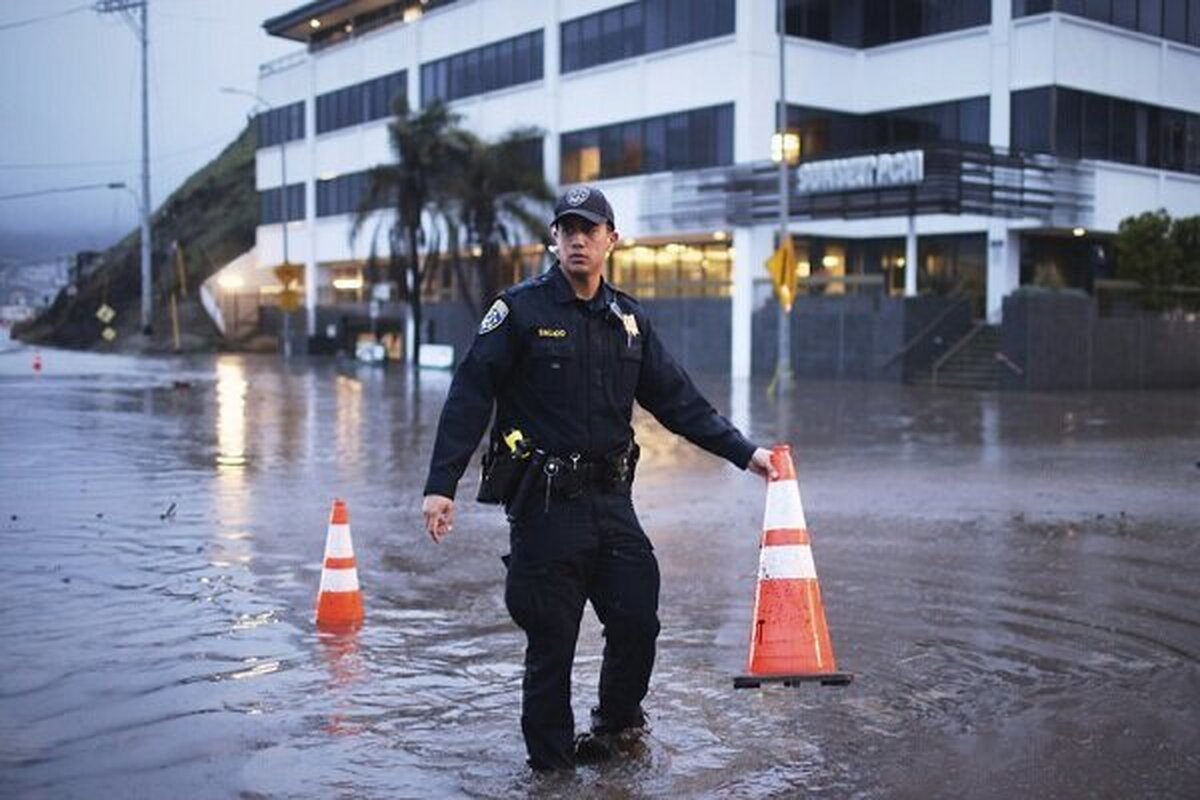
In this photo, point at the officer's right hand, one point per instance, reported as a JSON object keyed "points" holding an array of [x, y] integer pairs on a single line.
{"points": [[439, 516]]}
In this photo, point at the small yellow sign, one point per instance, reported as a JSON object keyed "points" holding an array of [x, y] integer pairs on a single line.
{"points": [[289, 300], [108, 334], [782, 268], [105, 313], [288, 274]]}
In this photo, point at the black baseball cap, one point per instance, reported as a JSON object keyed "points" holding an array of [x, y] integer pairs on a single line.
{"points": [[586, 202]]}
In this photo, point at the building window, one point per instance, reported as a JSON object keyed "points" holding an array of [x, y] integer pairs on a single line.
{"points": [[825, 132], [955, 264], [860, 24], [362, 102], [1071, 123], [498, 65], [645, 26], [1178, 20], [343, 194], [271, 204], [673, 269], [279, 125], [693, 139], [530, 155]]}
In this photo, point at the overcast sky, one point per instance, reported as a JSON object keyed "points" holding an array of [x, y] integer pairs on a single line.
{"points": [[69, 109]]}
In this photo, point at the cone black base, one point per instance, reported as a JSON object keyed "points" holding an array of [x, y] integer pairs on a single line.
{"points": [[825, 679]]}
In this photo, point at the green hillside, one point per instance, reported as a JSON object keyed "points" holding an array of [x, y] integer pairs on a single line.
{"points": [[212, 215]]}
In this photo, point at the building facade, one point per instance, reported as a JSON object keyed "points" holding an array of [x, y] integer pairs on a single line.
{"points": [[988, 143]]}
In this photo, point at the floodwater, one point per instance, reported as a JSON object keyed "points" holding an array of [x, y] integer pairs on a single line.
{"points": [[1011, 577]]}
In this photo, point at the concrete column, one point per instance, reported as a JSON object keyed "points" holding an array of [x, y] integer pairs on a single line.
{"points": [[753, 124], [1003, 267], [999, 111], [910, 258], [752, 247]]}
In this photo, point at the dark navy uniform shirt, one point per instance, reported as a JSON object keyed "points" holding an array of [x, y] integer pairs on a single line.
{"points": [[565, 372]]}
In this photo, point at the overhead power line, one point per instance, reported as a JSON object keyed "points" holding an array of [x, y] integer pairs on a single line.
{"points": [[32, 20]]}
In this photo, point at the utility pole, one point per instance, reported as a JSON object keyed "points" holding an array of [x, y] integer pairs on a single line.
{"points": [[127, 9]]}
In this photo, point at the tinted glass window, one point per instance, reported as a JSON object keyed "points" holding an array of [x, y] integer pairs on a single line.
{"points": [[641, 27], [494, 66], [283, 124], [1030, 117], [686, 140], [1068, 121], [1095, 126], [1150, 16]]}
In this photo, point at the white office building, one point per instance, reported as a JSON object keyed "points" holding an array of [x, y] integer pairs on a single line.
{"points": [[990, 143]]}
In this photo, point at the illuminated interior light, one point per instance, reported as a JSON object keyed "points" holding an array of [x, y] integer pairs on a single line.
{"points": [[314, 23], [1079, 232], [347, 284], [231, 282]]}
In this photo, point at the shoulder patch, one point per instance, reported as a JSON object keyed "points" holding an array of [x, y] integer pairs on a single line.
{"points": [[494, 316]]}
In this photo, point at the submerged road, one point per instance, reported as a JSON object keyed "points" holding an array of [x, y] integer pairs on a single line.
{"points": [[1012, 578]]}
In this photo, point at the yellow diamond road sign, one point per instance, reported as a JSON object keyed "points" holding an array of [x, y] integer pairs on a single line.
{"points": [[289, 300], [105, 313], [109, 334], [288, 274]]}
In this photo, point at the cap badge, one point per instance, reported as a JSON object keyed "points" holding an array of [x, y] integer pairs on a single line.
{"points": [[578, 196]]}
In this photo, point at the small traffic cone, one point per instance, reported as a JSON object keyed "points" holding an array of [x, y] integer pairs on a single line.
{"points": [[37, 363], [789, 642], [339, 603]]}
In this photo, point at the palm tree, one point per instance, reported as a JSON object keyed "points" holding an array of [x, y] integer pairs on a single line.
{"points": [[500, 199], [429, 149]]}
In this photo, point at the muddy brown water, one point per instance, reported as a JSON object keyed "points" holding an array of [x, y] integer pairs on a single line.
{"points": [[1011, 577]]}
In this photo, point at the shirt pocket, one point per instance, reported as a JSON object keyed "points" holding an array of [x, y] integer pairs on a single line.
{"points": [[629, 366], [553, 366]]}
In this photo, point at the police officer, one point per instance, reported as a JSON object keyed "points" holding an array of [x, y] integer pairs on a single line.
{"points": [[562, 357]]}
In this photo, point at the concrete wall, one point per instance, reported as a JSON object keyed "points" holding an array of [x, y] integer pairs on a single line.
{"points": [[850, 337], [1060, 342]]}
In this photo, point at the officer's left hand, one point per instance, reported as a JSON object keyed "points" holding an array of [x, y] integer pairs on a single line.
{"points": [[760, 464]]}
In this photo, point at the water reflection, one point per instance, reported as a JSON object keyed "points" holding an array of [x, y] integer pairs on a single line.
{"points": [[349, 394], [231, 419], [341, 659]]}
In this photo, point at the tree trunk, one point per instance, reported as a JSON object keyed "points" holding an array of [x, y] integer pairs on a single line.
{"points": [[414, 299]]}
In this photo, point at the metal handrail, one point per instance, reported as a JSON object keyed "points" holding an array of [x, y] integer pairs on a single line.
{"points": [[1008, 362], [920, 336], [957, 346]]}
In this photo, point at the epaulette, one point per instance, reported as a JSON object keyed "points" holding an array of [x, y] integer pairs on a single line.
{"points": [[528, 283], [626, 299]]}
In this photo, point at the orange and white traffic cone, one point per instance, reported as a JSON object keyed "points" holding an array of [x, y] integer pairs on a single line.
{"points": [[339, 603], [789, 641]]}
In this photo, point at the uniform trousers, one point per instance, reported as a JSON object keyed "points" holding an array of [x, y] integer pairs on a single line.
{"points": [[565, 553]]}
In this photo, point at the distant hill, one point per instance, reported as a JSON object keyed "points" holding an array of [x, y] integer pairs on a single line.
{"points": [[212, 216]]}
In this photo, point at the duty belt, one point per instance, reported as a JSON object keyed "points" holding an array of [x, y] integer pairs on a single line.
{"points": [[569, 477]]}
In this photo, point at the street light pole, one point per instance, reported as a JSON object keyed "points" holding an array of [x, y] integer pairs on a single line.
{"points": [[283, 204], [783, 364]]}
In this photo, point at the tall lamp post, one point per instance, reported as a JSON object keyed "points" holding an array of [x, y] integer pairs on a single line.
{"points": [[788, 150], [283, 201]]}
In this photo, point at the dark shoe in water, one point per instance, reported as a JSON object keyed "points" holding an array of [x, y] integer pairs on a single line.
{"points": [[597, 748], [605, 723]]}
